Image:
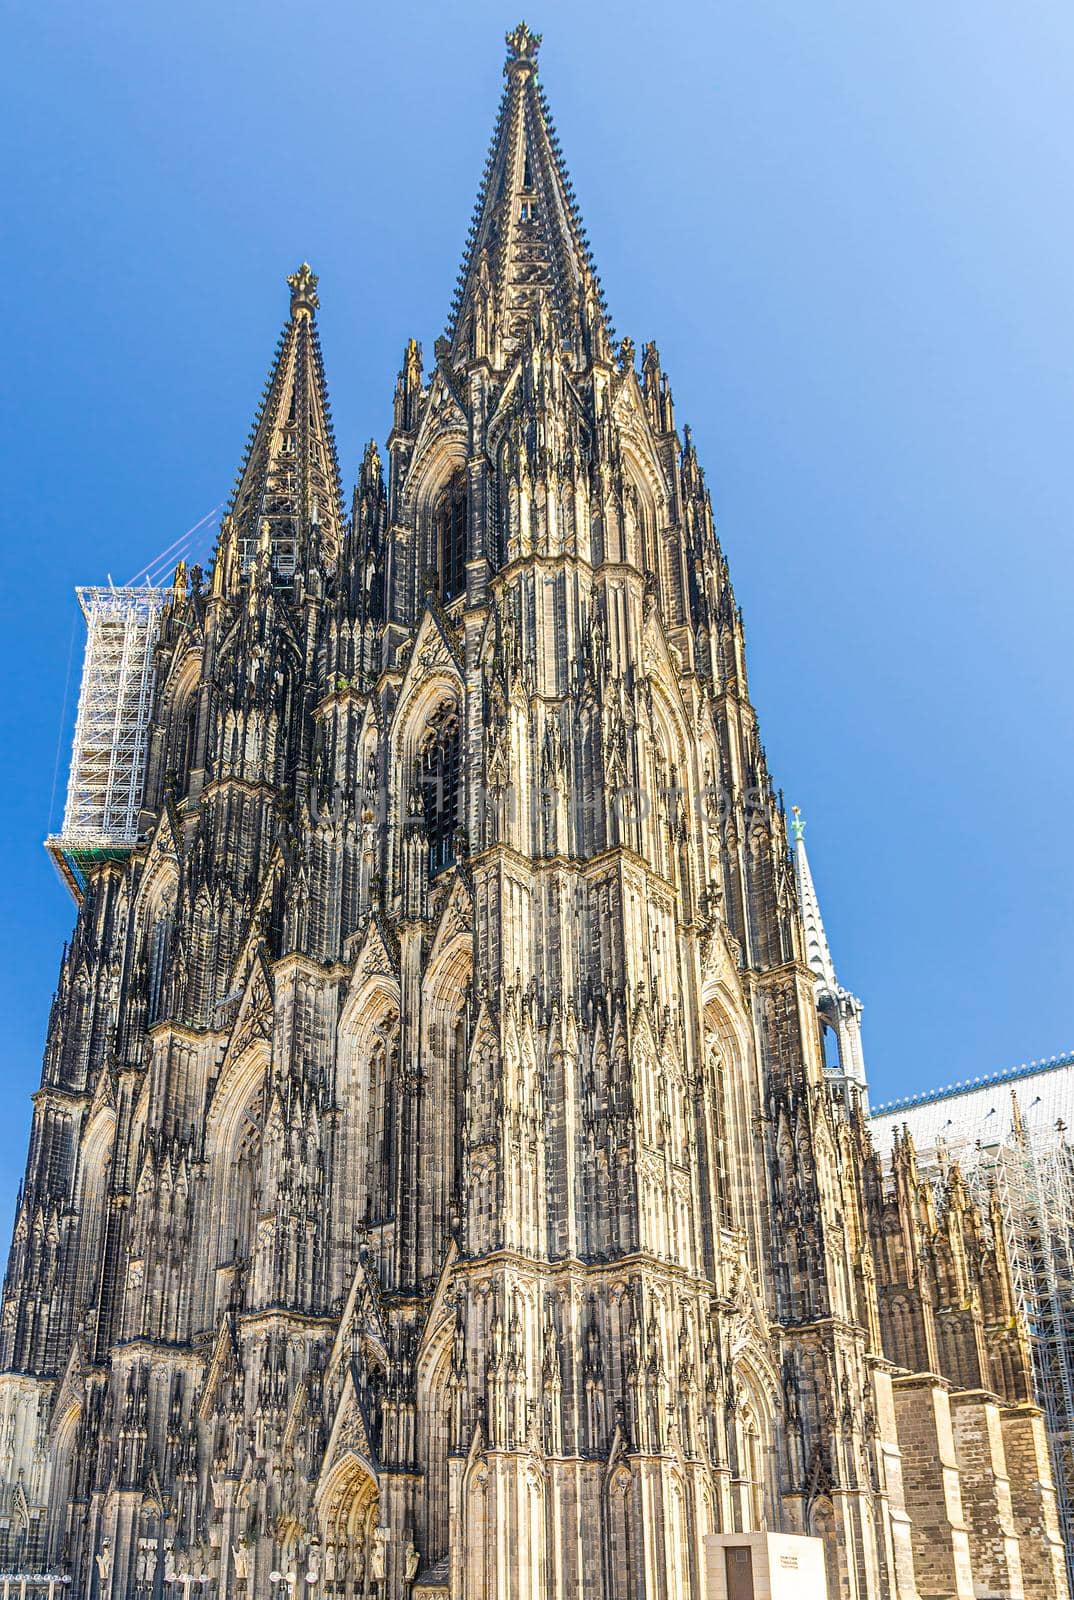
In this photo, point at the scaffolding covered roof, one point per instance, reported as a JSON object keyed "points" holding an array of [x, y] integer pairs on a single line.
{"points": [[983, 1108]]}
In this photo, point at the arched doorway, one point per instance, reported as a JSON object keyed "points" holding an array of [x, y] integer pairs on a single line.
{"points": [[353, 1539]]}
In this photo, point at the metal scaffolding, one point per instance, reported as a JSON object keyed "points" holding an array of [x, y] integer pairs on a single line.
{"points": [[1008, 1134], [107, 778], [1032, 1174]]}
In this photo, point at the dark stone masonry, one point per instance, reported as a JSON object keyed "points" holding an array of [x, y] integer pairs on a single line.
{"points": [[434, 1186]]}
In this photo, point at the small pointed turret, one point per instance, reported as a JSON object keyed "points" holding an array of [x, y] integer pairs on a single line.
{"points": [[226, 574], [365, 553], [839, 1010], [408, 389], [290, 477], [526, 238]]}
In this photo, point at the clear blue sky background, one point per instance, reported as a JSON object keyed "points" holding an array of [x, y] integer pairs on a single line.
{"points": [[849, 227]]}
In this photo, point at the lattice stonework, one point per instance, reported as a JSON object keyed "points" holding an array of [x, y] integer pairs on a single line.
{"points": [[107, 778]]}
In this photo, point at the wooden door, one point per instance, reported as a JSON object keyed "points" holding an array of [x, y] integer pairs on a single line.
{"points": [[738, 1564]]}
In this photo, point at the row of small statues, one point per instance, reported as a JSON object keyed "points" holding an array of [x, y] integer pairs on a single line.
{"points": [[242, 1553]]}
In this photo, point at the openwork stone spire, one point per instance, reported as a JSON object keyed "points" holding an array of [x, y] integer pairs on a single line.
{"points": [[289, 485], [817, 953], [526, 243]]}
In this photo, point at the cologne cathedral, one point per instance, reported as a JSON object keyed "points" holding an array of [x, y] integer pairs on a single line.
{"points": [[436, 1187]]}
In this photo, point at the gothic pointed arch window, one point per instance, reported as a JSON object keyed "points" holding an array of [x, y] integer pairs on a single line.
{"points": [[457, 1082], [246, 1165], [829, 1032], [237, 1176], [439, 770], [364, 1178], [95, 1160], [445, 1008], [160, 934], [64, 1473], [439, 1409], [753, 1441], [642, 517], [180, 723], [450, 520], [182, 734], [751, 1466], [381, 1153]]}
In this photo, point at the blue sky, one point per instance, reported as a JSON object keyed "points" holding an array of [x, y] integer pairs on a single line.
{"points": [[849, 228]]}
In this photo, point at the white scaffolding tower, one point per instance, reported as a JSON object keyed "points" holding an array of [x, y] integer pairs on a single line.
{"points": [[115, 703], [1032, 1174]]}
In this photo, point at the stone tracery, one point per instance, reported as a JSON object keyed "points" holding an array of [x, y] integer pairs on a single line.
{"points": [[434, 1173]]}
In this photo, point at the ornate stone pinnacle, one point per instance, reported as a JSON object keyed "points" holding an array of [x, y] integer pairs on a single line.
{"points": [[522, 48], [303, 289]]}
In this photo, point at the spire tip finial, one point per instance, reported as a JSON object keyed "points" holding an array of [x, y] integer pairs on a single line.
{"points": [[522, 48], [303, 285], [797, 825]]}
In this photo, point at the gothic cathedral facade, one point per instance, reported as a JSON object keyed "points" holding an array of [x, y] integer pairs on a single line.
{"points": [[434, 1186]]}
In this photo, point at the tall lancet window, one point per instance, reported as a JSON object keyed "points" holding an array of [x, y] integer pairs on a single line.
{"points": [[438, 779], [449, 535], [159, 940], [245, 1176]]}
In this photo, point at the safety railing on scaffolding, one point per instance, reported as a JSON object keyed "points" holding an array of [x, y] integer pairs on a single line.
{"points": [[115, 707]]}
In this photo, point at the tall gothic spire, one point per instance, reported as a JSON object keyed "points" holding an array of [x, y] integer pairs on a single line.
{"points": [[438, 1051], [526, 241], [817, 953], [290, 476]]}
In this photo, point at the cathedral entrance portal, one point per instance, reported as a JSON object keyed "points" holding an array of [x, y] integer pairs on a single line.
{"points": [[353, 1539]]}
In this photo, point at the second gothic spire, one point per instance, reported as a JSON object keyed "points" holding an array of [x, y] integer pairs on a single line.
{"points": [[289, 486]]}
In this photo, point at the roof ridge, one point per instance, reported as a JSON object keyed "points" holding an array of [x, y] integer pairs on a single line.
{"points": [[970, 1085]]}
